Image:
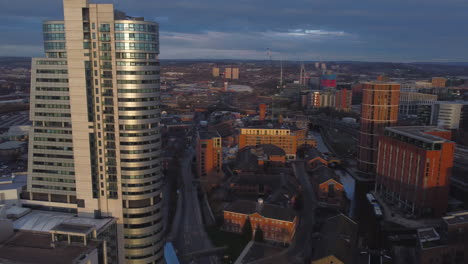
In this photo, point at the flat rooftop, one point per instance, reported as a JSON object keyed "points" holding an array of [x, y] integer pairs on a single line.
{"points": [[35, 248], [208, 134], [73, 229], [420, 133], [457, 218], [46, 221]]}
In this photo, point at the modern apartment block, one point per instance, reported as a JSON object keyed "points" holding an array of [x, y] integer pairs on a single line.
{"points": [[209, 155], [289, 139], [410, 103], [439, 82], [414, 168], [380, 102], [450, 114], [94, 146]]}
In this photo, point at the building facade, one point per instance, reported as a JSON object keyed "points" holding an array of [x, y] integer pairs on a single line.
{"points": [[450, 114], [278, 224], [95, 141], [343, 99], [410, 103], [414, 168], [439, 82], [379, 109], [289, 139], [209, 155]]}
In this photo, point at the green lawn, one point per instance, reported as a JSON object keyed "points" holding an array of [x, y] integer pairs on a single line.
{"points": [[235, 243]]}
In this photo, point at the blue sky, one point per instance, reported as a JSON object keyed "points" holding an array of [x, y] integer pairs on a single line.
{"points": [[365, 30]]}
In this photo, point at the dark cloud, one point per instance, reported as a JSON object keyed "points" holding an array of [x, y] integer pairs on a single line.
{"points": [[397, 30]]}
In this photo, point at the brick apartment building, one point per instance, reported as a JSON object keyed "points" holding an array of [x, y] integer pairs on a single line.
{"points": [[414, 168], [380, 102], [277, 223], [287, 138], [209, 155]]}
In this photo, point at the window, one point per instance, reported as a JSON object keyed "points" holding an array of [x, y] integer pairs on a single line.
{"points": [[53, 27]]}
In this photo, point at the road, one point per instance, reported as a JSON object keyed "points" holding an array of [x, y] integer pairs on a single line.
{"points": [[300, 249], [191, 234]]}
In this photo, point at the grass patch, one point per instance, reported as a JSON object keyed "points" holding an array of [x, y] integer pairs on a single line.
{"points": [[235, 243]]}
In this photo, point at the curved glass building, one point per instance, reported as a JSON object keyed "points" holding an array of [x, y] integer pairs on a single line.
{"points": [[95, 144]]}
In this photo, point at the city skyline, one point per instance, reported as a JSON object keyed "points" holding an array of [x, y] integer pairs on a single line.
{"points": [[336, 30]]}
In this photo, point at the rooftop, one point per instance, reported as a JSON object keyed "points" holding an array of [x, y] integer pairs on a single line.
{"points": [[72, 229], [9, 183], [45, 221], [266, 210], [11, 145], [339, 238], [457, 218], [208, 134], [31, 247], [428, 237], [420, 133]]}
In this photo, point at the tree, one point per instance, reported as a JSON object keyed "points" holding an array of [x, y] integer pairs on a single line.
{"points": [[258, 234], [247, 229]]}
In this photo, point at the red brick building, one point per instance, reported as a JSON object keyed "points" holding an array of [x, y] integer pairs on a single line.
{"points": [[343, 99], [414, 167], [277, 223], [379, 110], [209, 155], [329, 191], [450, 247]]}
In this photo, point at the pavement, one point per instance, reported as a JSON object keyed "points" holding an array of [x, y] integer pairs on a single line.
{"points": [[191, 235]]}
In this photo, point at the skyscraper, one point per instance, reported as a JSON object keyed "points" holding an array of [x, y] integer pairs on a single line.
{"points": [[380, 102], [95, 143]]}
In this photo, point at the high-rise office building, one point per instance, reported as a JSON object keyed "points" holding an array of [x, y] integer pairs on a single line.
{"points": [[380, 102], [95, 142], [414, 168]]}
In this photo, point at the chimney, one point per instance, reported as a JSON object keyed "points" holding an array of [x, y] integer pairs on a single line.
{"points": [[259, 206]]}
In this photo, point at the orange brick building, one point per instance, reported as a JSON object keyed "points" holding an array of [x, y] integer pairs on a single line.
{"points": [[209, 155], [277, 223], [329, 191], [439, 82], [380, 103], [414, 167], [289, 139]]}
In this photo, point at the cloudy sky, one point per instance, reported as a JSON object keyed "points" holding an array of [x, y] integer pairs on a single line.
{"points": [[365, 30]]}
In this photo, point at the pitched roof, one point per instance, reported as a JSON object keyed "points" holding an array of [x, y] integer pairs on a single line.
{"points": [[267, 210], [322, 174], [339, 237]]}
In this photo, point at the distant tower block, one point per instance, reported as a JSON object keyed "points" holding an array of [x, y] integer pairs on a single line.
{"points": [[439, 82], [382, 78], [262, 111], [228, 73], [235, 73], [225, 88], [215, 72], [380, 103], [317, 65], [324, 66]]}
